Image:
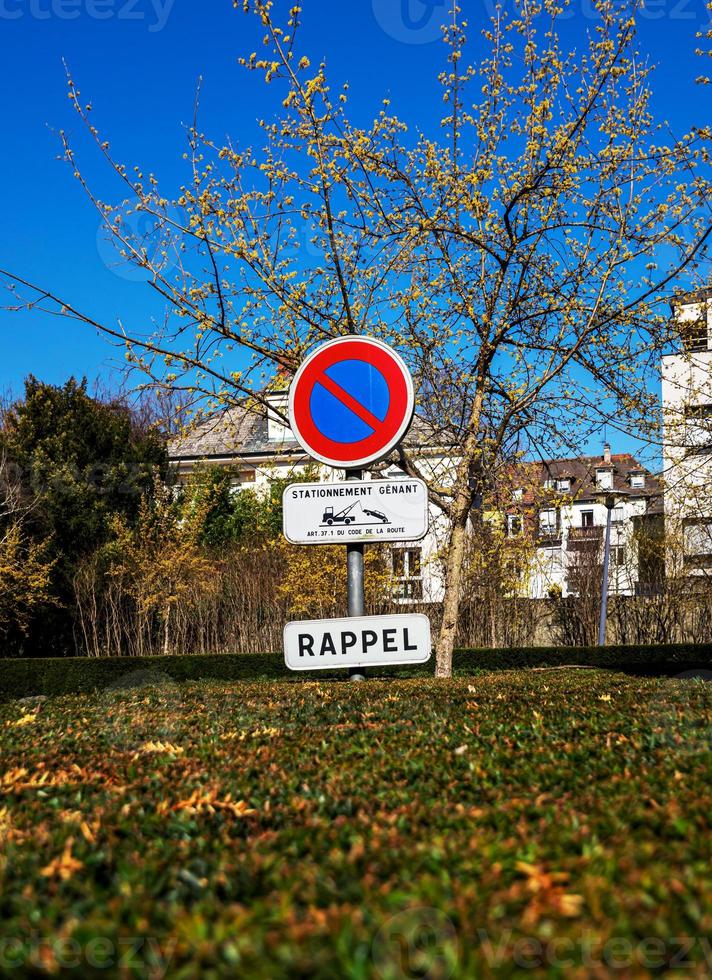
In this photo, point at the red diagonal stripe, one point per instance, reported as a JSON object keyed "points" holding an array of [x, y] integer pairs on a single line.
{"points": [[351, 403]]}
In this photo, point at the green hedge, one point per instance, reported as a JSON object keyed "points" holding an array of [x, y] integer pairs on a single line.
{"points": [[75, 675], [529, 824]]}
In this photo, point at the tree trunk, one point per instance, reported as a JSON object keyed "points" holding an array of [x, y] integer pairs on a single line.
{"points": [[462, 502], [453, 578], [166, 633]]}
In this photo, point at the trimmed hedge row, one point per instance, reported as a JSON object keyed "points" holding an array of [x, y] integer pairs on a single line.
{"points": [[528, 824], [77, 675]]}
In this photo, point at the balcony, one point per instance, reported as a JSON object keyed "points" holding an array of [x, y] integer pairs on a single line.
{"points": [[585, 538], [594, 533], [649, 589]]}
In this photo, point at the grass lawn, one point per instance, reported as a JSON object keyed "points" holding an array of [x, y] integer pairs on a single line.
{"points": [[534, 823]]}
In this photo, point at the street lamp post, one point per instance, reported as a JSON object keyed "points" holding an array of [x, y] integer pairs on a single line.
{"points": [[609, 502]]}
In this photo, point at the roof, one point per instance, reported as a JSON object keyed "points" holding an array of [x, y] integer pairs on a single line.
{"points": [[242, 431], [581, 470], [237, 431]]}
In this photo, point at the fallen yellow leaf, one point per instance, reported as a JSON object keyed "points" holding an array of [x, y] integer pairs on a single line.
{"points": [[63, 867], [24, 720], [167, 747]]}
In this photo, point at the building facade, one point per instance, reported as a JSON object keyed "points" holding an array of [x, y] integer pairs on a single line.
{"points": [[687, 443], [561, 506]]}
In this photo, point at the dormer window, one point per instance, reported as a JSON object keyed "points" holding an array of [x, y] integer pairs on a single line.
{"points": [[637, 481], [277, 431], [604, 479], [563, 486], [549, 484]]}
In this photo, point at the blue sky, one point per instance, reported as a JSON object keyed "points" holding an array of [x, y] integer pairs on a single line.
{"points": [[137, 62]]}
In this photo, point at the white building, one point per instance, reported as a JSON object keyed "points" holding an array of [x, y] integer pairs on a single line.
{"points": [[687, 445], [561, 505]]}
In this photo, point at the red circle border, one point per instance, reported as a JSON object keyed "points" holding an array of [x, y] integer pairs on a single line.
{"points": [[398, 416]]}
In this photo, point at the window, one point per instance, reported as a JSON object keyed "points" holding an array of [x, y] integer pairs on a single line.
{"points": [[698, 426], [604, 479], [697, 538], [618, 515], [701, 411], [514, 525], [586, 518], [554, 560], [618, 556], [246, 476], [694, 333], [637, 481], [407, 562], [563, 486], [549, 484], [517, 494], [547, 522], [407, 570]]}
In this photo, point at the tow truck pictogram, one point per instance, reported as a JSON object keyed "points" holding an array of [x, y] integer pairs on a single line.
{"points": [[346, 517]]}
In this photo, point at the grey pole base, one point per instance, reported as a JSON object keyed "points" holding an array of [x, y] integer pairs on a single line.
{"points": [[354, 578]]}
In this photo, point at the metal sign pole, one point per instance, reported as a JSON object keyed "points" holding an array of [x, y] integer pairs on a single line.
{"points": [[354, 579]]}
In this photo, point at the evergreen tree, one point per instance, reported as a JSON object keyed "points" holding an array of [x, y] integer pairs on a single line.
{"points": [[84, 462]]}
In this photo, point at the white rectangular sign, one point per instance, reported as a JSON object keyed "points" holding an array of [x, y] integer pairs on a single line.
{"points": [[355, 510], [357, 641]]}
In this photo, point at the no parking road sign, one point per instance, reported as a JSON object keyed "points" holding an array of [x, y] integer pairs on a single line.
{"points": [[351, 402]]}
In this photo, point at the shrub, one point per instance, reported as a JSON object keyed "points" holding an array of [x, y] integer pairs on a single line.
{"points": [[23, 677]]}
